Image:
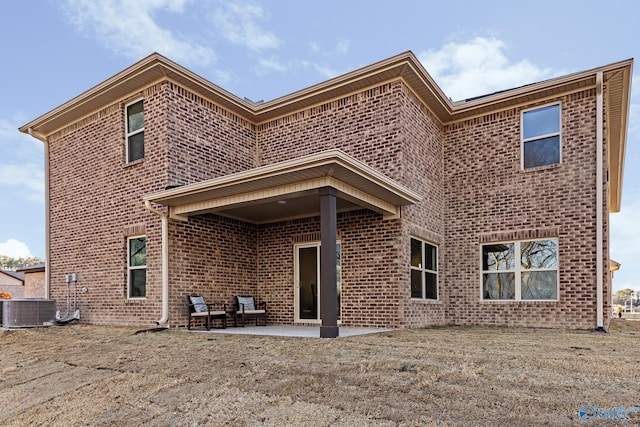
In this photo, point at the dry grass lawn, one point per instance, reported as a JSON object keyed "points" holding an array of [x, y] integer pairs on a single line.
{"points": [[101, 376]]}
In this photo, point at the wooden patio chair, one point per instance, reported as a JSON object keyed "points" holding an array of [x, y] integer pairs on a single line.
{"points": [[199, 309], [246, 308]]}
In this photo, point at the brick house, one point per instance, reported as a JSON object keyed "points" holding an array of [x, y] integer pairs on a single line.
{"points": [[492, 210], [34, 280], [12, 282]]}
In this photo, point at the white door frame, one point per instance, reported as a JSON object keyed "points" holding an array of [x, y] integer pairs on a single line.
{"points": [[296, 280]]}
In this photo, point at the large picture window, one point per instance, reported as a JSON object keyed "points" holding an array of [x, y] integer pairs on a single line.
{"points": [[516, 271], [135, 131], [137, 267], [424, 270], [541, 143]]}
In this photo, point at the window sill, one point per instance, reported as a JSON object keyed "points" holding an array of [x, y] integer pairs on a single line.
{"points": [[426, 301], [133, 163], [541, 168], [525, 301], [135, 300]]}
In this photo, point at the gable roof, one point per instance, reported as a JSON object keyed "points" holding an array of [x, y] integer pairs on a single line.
{"points": [[258, 195], [405, 66], [13, 274], [34, 268]]}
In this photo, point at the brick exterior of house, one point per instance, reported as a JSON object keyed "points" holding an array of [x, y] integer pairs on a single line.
{"points": [[468, 172], [12, 284]]}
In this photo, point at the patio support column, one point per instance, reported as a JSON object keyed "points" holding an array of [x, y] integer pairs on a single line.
{"points": [[328, 280]]}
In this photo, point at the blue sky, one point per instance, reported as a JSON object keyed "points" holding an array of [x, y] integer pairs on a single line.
{"points": [[54, 50]]}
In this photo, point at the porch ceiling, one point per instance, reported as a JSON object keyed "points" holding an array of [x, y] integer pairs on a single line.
{"points": [[289, 190]]}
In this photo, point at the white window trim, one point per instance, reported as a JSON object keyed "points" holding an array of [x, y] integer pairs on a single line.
{"points": [[518, 273], [523, 140], [126, 129], [138, 267], [425, 270]]}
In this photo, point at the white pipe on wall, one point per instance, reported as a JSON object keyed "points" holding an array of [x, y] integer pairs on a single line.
{"points": [[165, 262], [599, 202]]}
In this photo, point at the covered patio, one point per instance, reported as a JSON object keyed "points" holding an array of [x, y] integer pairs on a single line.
{"points": [[320, 184]]}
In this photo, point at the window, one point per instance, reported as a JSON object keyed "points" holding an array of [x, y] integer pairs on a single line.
{"points": [[541, 136], [516, 271], [137, 267], [424, 270], [135, 131]]}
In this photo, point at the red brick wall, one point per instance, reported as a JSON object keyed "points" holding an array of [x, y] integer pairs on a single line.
{"points": [[389, 129], [468, 173], [34, 285], [212, 256], [365, 125], [96, 197], [205, 141], [489, 198], [423, 172], [96, 202], [370, 267]]}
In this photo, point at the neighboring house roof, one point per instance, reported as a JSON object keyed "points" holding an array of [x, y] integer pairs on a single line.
{"points": [[14, 274], [405, 67], [35, 268]]}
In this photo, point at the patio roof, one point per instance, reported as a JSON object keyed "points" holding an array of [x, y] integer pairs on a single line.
{"points": [[288, 190]]}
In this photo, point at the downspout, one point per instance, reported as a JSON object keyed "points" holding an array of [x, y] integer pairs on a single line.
{"points": [[47, 216], [165, 262], [599, 202]]}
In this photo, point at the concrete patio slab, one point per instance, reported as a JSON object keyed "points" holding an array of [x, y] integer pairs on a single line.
{"points": [[290, 331]]}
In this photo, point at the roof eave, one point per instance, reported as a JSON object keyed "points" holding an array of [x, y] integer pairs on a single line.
{"points": [[405, 67], [144, 73]]}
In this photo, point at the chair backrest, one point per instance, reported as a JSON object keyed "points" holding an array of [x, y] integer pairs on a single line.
{"points": [[197, 304], [247, 303]]}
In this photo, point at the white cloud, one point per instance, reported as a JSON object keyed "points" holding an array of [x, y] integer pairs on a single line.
{"points": [[28, 178], [625, 229], [14, 249], [478, 67], [238, 22], [21, 163], [342, 47], [272, 64], [269, 64], [129, 28], [11, 139], [325, 70]]}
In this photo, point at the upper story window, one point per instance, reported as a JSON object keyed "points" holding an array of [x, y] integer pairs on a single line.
{"points": [[135, 131], [137, 267], [424, 270], [517, 271], [541, 136]]}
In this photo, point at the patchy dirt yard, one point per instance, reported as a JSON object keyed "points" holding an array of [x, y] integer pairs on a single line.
{"points": [[102, 376]]}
